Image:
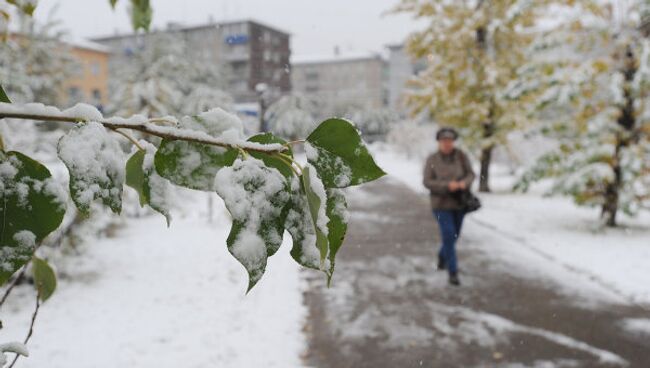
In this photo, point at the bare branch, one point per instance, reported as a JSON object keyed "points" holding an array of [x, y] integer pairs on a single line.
{"points": [[31, 327]]}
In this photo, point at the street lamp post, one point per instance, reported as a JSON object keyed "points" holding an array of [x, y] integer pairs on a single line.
{"points": [[262, 89]]}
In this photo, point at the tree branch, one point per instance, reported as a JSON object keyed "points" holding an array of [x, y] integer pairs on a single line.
{"points": [[13, 284], [31, 327], [146, 126]]}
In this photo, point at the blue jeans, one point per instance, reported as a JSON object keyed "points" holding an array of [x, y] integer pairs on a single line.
{"points": [[450, 223]]}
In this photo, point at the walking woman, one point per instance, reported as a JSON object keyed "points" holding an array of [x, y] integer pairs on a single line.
{"points": [[448, 175]]}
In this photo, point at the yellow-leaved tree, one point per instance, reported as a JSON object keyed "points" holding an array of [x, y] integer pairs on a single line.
{"points": [[474, 50]]}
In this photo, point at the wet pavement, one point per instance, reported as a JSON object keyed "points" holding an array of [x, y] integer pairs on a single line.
{"points": [[389, 307]]}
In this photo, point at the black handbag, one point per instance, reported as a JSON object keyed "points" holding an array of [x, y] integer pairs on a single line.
{"points": [[469, 202]]}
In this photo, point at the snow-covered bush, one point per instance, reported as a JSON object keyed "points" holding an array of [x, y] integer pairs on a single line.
{"points": [[291, 116]]}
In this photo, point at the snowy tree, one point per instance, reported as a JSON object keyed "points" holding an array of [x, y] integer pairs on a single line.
{"points": [[595, 104], [374, 122], [291, 116], [474, 49], [35, 62], [159, 80]]}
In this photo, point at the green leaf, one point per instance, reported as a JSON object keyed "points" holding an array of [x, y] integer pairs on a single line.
{"points": [[141, 14], [307, 247], [113, 3], [272, 160], [32, 205], [301, 228], [314, 203], [257, 198], [339, 155], [135, 175], [3, 96], [141, 176], [337, 225], [44, 278], [27, 7], [192, 165], [93, 158]]}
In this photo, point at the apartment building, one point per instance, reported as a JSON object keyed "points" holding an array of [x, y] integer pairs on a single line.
{"points": [[89, 82], [254, 53], [337, 82], [402, 67]]}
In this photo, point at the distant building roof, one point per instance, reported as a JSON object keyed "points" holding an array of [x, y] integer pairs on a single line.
{"points": [[81, 43], [176, 27], [329, 59]]}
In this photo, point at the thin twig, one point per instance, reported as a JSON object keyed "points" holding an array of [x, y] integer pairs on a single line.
{"points": [[133, 140], [298, 141], [15, 282], [31, 327], [290, 162]]}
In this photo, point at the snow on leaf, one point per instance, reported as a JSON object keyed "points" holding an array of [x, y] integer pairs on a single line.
{"points": [[317, 204], [32, 207], [194, 165], [191, 165], [301, 227], [95, 161], [339, 155], [257, 198], [338, 216]]}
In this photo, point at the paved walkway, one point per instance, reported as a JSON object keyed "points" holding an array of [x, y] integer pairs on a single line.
{"points": [[388, 307]]}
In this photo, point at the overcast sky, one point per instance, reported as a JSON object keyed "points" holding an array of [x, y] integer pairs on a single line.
{"points": [[317, 26]]}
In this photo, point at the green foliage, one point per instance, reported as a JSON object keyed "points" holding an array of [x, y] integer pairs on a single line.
{"points": [[259, 214], [44, 278], [338, 223], [3, 96], [139, 177], [141, 14], [31, 208], [26, 7], [278, 161], [265, 190], [314, 203], [192, 165], [340, 156], [135, 176]]}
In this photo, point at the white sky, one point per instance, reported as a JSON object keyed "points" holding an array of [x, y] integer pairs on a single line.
{"points": [[317, 26]]}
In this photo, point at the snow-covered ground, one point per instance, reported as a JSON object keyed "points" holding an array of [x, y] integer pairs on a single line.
{"points": [[158, 297], [554, 230]]}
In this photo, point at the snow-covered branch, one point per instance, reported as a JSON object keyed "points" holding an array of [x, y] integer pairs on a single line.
{"points": [[86, 113]]}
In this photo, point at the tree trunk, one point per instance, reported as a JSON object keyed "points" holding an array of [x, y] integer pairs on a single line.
{"points": [[627, 121], [484, 178], [610, 206]]}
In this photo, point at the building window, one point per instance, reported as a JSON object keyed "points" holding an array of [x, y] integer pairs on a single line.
{"points": [[95, 68], [311, 76], [74, 95], [97, 95]]}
